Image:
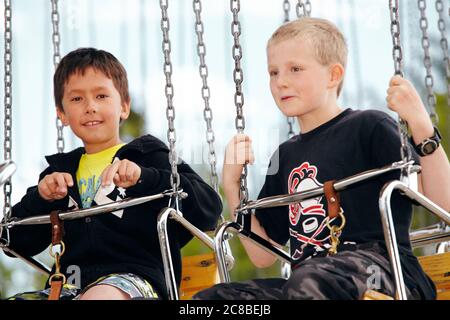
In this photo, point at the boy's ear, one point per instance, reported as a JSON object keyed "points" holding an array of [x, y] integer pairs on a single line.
{"points": [[336, 75], [62, 116], [125, 112]]}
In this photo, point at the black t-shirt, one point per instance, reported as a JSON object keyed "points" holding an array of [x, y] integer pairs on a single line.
{"points": [[352, 142]]}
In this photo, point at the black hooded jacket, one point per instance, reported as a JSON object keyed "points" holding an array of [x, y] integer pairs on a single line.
{"points": [[106, 243]]}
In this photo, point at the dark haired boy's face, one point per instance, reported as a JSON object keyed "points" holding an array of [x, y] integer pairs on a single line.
{"points": [[92, 107]]}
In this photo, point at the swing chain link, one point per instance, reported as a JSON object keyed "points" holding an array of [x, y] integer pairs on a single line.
{"points": [[238, 77], [286, 10], [290, 120], [397, 55], [207, 112], [444, 44], [56, 40], [7, 144], [303, 9], [429, 81], [169, 92]]}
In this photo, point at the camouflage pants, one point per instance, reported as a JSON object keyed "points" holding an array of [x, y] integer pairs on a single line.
{"points": [[346, 275]]}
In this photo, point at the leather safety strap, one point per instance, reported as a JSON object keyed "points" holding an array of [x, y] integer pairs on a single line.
{"points": [[55, 289], [334, 204]]}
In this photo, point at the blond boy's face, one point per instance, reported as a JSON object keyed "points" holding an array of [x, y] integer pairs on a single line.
{"points": [[92, 107], [298, 82]]}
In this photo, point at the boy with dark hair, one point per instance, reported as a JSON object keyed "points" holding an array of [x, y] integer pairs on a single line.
{"points": [[117, 253], [306, 64]]}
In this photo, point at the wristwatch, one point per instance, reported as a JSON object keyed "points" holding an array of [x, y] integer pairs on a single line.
{"points": [[429, 145]]}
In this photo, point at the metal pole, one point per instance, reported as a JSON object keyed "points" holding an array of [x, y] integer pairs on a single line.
{"points": [[389, 229], [163, 235], [282, 200]]}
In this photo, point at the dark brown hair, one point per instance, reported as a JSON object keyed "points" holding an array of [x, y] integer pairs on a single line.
{"points": [[79, 60]]}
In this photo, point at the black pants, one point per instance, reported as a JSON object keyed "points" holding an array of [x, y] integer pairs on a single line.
{"points": [[346, 275]]}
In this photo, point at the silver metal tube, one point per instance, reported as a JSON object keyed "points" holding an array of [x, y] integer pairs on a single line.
{"points": [[208, 241], [165, 247], [219, 252], [30, 261], [391, 239], [81, 213], [389, 230], [282, 200], [254, 238], [432, 237], [425, 202], [163, 235]]}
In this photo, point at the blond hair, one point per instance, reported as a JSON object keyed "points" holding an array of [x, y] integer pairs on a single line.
{"points": [[326, 40]]}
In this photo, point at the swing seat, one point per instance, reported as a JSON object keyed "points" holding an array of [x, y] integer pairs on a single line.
{"points": [[437, 267], [199, 272]]}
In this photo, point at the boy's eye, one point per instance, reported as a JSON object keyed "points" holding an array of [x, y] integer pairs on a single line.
{"points": [[75, 99], [295, 69], [102, 96], [273, 73]]}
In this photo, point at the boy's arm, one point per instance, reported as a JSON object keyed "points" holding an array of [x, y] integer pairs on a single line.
{"points": [[239, 151], [434, 180], [202, 207], [33, 239], [259, 257]]}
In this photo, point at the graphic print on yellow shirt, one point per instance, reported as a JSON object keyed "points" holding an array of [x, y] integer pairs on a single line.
{"points": [[89, 170]]}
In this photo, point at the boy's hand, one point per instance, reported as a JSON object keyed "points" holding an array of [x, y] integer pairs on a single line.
{"points": [[124, 173], [54, 186], [238, 152], [403, 98]]}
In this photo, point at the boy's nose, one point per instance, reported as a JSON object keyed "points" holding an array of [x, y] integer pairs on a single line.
{"points": [[281, 81], [91, 107]]}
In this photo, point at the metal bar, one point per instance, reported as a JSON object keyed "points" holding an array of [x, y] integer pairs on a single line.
{"points": [[208, 241], [433, 237], [262, 243], [282, 200], [30, 261], [165, 247], [389, 230], [75, 214], [391, 239], [163, 235], [424, 201]]}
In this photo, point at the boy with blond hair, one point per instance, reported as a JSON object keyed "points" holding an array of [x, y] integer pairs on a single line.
{"points": [[118, 253], [306, 63]]}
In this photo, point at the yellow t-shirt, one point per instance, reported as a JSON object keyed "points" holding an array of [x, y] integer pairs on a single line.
{"points": [[89, 170]]}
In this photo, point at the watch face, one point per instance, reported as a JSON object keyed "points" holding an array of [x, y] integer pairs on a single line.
{"points": [[429, 147]]}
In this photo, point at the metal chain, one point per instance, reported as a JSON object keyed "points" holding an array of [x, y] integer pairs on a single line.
{"points": [[429, 81], [56, 39], [397, 56], [303, 9], [308, 8], [290, 120], [286, 10], [7, 144], [170, 111], [207, 112], [444, 44], [238, 77]]}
